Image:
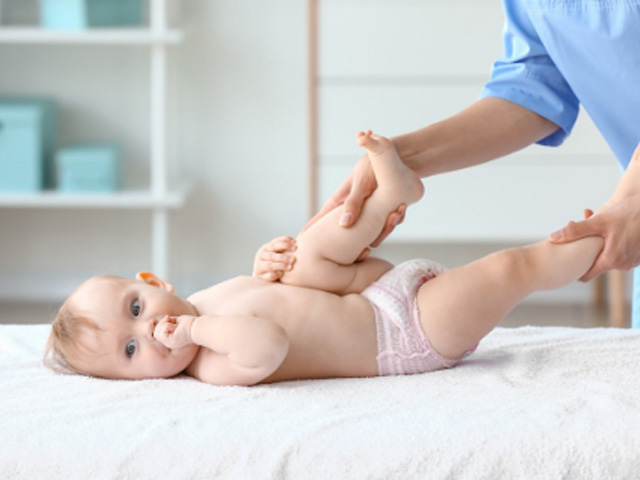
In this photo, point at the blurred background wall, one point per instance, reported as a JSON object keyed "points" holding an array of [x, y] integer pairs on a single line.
{"points": [[238, 134]]}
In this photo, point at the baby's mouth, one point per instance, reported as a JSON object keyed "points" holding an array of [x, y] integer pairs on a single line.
{"points": [[161, 347]]}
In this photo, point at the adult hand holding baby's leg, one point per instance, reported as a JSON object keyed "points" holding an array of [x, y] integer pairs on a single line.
{"points": [[353, 193], [617, 222], [174, 332]]}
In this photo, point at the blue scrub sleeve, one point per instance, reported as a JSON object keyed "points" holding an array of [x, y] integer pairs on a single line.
{"points": [[527, 76]]}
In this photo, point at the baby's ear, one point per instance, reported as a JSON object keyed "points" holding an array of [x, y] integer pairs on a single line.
{"points": [[151, 279]]}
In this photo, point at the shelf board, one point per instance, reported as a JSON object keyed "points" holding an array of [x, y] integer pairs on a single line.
{"points": [[112, 36], [126, 199]]}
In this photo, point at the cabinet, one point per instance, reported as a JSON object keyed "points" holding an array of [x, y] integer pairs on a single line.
{"points": [[158, 197]]}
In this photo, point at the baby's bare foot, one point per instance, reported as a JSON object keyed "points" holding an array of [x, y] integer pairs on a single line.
{"points": [[391, 172], [374, 143]]}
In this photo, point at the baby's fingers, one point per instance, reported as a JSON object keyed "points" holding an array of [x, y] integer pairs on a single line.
{"points": [[282, 244], [164, 329], [277, 261], [275, 258], [271, 276], [162, 334]]}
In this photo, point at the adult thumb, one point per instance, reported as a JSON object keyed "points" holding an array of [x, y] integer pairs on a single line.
{"points": [[577, 230], [352, 208]]}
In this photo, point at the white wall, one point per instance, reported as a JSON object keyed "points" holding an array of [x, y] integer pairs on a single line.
{"points": [[244, 132], [239, 133], [239, 91], [397, 66]]}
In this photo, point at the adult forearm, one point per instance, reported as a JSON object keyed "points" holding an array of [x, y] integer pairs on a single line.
{"points": [[488, 129]]}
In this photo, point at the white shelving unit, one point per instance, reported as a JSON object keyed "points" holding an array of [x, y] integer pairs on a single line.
{"points": [[120, 36], [159, 198], [127, 199]]}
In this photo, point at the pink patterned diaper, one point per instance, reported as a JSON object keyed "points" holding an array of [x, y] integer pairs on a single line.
{"points": [[403, 347]]}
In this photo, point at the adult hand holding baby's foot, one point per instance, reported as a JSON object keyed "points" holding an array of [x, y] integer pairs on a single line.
{"points": [[174, 332]]}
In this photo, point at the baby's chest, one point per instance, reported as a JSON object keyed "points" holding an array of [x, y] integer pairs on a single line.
{"points": [[244, 298], [285, 304]]}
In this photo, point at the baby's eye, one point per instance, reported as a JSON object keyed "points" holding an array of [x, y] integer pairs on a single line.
{"points": [[135, 307], [131, 348]]}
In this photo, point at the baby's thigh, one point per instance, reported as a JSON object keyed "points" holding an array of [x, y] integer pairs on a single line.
{"points": [[447, 317], [324, 274], [312, 271]]}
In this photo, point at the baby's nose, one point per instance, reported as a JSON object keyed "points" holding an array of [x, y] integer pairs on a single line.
{"points": [[151, 326]]}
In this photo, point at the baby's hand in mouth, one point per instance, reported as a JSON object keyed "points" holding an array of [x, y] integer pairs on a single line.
{"points": [[174, 332]]}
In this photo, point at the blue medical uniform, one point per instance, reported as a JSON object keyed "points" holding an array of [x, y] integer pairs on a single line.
{"points": [[559, 54]]}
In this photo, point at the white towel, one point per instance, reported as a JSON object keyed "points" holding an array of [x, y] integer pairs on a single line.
{"points": [[530, 403]]}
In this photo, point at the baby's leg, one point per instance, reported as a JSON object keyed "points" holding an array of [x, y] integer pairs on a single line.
{"points": [[326, 252], [397, 184], [459, 307]]}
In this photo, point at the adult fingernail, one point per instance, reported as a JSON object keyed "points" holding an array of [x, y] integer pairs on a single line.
{"points": [[556, 235], [345, 218]]}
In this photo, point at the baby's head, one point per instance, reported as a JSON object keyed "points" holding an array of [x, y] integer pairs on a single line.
{"points": [[106, 329]]}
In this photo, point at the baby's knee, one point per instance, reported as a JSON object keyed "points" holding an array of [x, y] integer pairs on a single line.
{"points": [[511, 265]]}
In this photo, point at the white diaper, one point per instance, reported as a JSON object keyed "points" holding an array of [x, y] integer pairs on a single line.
{"points": [[403, 348]]}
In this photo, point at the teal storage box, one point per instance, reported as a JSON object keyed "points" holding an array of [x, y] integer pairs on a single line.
{"points": [[81, 14], [27, 143], [89, 168]]}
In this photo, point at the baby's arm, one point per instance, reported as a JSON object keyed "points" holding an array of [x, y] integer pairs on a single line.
{"points": [[240, 350]]}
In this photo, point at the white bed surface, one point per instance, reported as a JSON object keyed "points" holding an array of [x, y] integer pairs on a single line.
{"points": [[530, 403]]}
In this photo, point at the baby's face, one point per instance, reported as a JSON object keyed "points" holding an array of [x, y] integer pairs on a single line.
{"points": [[127, 311]]}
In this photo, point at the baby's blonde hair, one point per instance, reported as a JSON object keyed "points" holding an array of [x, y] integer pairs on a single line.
{"points": [[67, 343]]}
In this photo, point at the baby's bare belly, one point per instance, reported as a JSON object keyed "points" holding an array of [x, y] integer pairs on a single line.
{"points": [[329, 335]]}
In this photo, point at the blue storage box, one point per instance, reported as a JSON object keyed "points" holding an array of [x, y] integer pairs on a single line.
{"points": [[81, 14], [27, 143], [89, 168]]}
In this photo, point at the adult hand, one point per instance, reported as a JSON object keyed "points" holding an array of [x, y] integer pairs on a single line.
{"points": [[353, 192], [618, 224]]}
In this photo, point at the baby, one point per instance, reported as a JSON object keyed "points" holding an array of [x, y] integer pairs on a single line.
{"points": [[328, 316]]}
